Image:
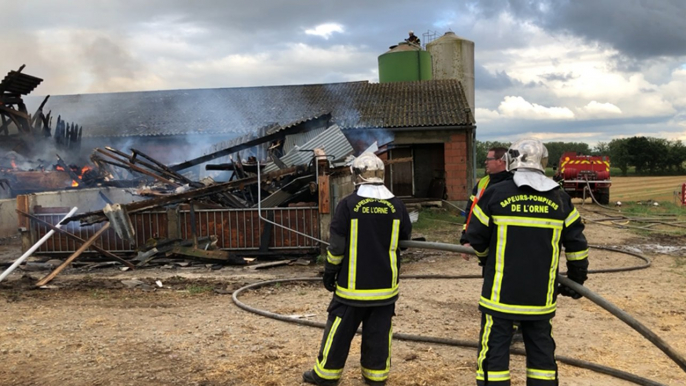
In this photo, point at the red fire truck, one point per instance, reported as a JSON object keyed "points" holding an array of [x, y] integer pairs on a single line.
{"points": [[579, 173]]}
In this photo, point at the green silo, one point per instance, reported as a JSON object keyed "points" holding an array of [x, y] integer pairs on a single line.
{"points": [[404, 63]]}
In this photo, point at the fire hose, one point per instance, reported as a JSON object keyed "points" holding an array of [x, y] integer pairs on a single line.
{"points": [[584, 291]]}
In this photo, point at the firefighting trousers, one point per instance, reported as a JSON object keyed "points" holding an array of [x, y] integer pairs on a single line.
{"points": [[341, 326], [493, 360]]}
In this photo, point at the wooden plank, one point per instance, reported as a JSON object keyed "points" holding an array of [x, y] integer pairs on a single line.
{"points": [[324, 195], [73, 256], [270, 264], [77, 238]]}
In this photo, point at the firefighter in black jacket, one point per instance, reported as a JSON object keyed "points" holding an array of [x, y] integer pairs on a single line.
{"points": [[362, 269], [496, 171], [518, 230]]}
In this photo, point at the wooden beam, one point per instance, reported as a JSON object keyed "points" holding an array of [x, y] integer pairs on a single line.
{"points": [[73, 256], [76, 238]]}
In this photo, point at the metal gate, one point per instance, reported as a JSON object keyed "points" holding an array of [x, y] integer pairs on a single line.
{"points": [[236, 229]]}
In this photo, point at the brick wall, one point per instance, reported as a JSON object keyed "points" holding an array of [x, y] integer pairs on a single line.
{"points": [[456, 167]]}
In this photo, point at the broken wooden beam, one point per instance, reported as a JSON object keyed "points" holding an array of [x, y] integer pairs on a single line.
{"points": [[133, 167], [73, 256], [140, 206], [67, 169], [75, 238]]}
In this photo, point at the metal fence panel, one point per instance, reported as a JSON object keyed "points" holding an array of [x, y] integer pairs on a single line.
{"points": [[236, 229]]}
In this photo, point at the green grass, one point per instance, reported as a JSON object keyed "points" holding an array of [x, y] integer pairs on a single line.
{"points": [[432, 219], [648, 209], [99, 294], [199, 289]]}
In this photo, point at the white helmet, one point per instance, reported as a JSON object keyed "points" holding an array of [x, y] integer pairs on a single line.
{"points": [[368, 169], [411, 32], [527, 154]]}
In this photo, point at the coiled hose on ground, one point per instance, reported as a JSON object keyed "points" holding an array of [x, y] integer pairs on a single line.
{"points": [[592, 296]]}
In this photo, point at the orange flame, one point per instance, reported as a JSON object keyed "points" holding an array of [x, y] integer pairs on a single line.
{"points": [[58, 167], [14, 165], [74, 183]]}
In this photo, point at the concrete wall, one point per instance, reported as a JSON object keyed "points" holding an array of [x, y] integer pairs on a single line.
{"points": [[8, 218], [86, 200]]}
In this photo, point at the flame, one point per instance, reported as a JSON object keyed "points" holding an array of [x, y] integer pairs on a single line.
{"points": [[14, 165], [58, 167], [74, 183], [85, 169]]}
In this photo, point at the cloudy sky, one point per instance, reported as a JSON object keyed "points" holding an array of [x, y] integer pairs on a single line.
{"points": [[560, 70]]}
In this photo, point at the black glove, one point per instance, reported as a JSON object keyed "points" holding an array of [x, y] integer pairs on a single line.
{"points": [[577, 274], [566, 291], [329, 280]]}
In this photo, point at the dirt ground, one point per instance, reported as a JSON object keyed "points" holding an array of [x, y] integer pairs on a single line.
{"points": [[101, 328]]}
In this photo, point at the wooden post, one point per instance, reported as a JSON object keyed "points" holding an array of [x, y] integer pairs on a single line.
{"points": [[23, 222], [77, 238], [73, 256]]}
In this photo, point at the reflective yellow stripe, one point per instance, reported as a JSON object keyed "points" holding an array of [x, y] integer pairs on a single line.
{"points": [[481, 254], [480, 215], [392, 251], [546, 375], [499, 263], [573, 216], [552, 274], [333, 259], [352, 263], [481, 186], [375, 375], [484, 345], [503, 222], [575, 256], [562, 167], [528, 222], [494, 376], [381, 375], [370, 294], [319, 367], [390, 340], [517, 309]]}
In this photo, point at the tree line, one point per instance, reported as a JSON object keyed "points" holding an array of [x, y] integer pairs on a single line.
{"points": [[646, 155]]}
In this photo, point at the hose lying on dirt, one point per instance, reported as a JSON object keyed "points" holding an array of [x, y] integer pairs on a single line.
{"points": [[614, 310]]}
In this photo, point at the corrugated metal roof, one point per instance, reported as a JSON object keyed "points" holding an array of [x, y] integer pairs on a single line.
{"points": [[332, 141], [300, 138], [244, 110]]}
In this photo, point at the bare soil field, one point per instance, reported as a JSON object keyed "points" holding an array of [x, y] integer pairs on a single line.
{"points": [[102, 328], [646, 188]]}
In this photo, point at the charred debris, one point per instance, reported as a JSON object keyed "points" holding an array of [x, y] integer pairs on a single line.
{"points": [[279, 167]]}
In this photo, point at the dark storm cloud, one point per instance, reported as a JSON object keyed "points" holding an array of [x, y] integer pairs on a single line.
{"points": [[485, 80], [637, 29], [559, 76]]}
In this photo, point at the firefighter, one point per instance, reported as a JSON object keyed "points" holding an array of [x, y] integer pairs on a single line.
{"points": [[361, 269], [518, 230], [412, 38], [496, 171]]}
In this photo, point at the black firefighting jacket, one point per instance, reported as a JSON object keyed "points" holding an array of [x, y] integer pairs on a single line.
{"points": [[520, 232], [364, 237]]}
